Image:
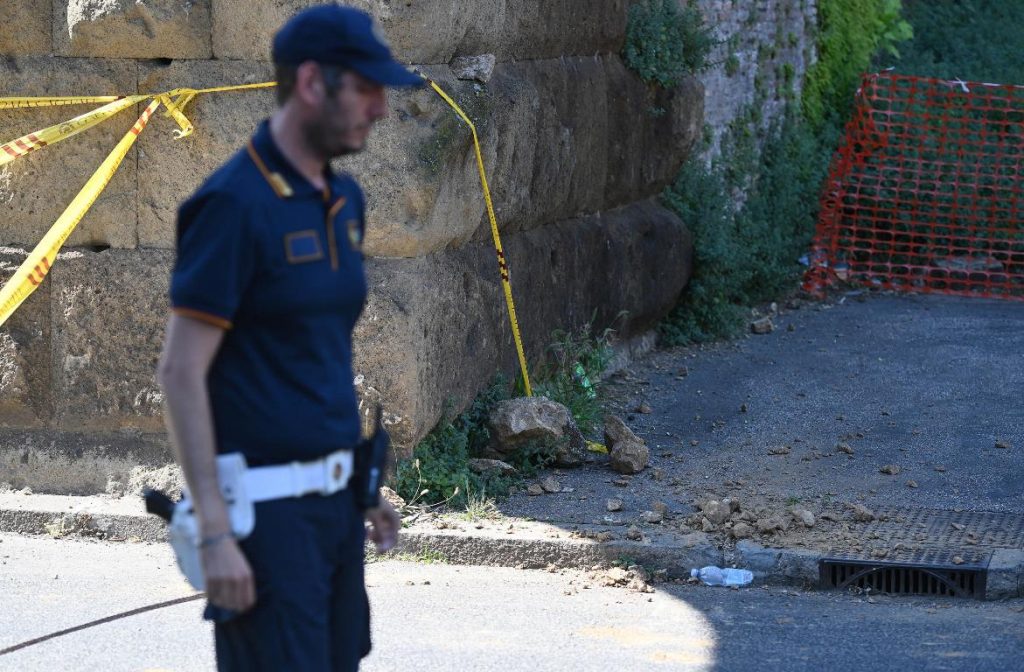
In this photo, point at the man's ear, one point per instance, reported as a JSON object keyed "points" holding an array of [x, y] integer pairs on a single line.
{"points": [[309, 84]]}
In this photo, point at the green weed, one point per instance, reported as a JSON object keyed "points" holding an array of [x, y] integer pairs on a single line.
{"points": [[666, 41]]}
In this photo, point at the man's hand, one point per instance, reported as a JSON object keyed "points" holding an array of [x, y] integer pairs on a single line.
{"points": [[229, 582], [384, 524]]}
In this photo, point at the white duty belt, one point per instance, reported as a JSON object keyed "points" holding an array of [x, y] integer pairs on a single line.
{"points": [[242, 487]]}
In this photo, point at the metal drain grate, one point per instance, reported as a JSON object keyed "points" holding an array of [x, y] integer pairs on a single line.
{"points": [[895, 578]]}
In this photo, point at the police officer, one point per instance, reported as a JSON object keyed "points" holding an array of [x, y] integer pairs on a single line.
{"points": [[266, 290]]}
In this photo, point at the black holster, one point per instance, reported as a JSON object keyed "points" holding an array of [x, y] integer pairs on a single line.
{"points": [[371, 460]]}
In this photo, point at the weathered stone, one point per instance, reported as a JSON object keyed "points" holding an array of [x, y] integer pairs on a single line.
{"points": [[479, 68], [485, 466], [433, 31], [652, 517], [628, 457], [172, 169], [741, 531], [535, 489], [572, 124], [392, 498], [768, 525], [132, 28], [803, 516], [614, 504], [715, 511], [634, 533], [407, 354], [517, 422], [551, 484], [105, 373], [862, 514], [891, 469], [25, 28], [36, 189], [25, 352], [75, 463], [762, 326], [616, 431]]}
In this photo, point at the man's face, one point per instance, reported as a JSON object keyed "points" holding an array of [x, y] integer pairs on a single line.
{"points": [[343, 121]]}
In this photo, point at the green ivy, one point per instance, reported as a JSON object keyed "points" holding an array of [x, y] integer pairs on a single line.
{"points": [[851, 33], [666, 41]]}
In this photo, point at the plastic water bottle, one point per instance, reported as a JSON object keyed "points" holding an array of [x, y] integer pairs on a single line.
{"points": [[716, 576]]}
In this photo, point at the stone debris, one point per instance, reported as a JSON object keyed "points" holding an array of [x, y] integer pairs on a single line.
{"points": [[604, 537], [912, 484], [660, 507], [479, 68], [803, 516], [614, 504], [958, 560], [634, 578], [780, 450], [551, 484], [392, 498], [844, 448], [715, 511], [862, 514], [707, 526], [515, 423], [627, 453], [644, 408], [940, 468], [762, 326], [959, 527], [1003, 445], [652, 517], [741, 531], [484, 466], [535, 489], [634, 533], [891, 469]]}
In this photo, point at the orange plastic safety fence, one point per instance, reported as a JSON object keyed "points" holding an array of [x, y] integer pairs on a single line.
{"points": [[925, 193]]}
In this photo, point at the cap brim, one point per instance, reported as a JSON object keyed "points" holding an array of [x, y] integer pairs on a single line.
{"points": [[388, 73]]}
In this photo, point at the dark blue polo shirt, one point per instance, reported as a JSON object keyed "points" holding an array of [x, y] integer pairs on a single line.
{"points": [[277, 263]]}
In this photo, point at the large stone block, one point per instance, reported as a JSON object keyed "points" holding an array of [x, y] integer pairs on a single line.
{"points": [[81, 463], [170, 170], [436, 327], [25, 345], [560, 138], [25, 27], [434, 31], [132, 28], [36, 189], [109, 312]]}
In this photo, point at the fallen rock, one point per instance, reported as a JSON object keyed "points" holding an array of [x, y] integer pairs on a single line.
{"points": [[803, 516], [634, 533], [535, 489], [604, 537], [911, 484], [392, 498], [780, 450], [528, 420], [484, 466], [660, 507], [844, 448], [733, 503], [479, 68], [891, 469], [551, 484], [741, 531], [652, 517], [768, 525], [1003, 445], [629, 458], [614, 504], [715, 511], [644, 408], [707, 526], [762, 326], [862, 514]]}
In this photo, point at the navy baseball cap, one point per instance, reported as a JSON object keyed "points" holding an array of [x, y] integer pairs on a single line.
{"points": [[341, 36]]}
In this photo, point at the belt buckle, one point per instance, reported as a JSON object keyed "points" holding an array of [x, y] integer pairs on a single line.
{"points": [[336, 474]]}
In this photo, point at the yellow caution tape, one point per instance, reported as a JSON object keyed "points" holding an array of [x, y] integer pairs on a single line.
{"points": [[502, 263], [38, 263], [32, 271]]}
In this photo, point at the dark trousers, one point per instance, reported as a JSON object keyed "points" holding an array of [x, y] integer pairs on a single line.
{"points": [[311, 612]]}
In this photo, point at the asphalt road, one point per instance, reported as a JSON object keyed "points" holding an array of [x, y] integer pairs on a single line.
{"points": [[440, 617], [927, 383]]}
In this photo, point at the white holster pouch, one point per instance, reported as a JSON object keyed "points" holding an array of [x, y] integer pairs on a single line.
{"points": [[242, 488]]}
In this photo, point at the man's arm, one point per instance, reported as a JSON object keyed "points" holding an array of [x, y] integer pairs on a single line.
{"points": [[189, 349]]}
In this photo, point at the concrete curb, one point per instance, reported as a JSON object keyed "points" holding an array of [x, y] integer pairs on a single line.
{"points": [[508, 542]]}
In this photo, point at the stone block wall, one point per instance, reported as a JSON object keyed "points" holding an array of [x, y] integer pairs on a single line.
{"points": [[575, 161]]}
